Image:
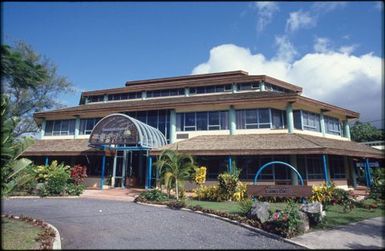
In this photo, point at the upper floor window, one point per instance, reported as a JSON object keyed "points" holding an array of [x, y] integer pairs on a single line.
{"points": [[332, 125], [97, 98], [311, 121], [60, 127], [123, 96], [210, 89], [86, 125], [165, 93], [202, 121], [248, 86], [260, 118]]}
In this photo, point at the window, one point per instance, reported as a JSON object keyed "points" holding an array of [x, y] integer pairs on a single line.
{"points": [[297, 119], [332, 125], [60, 127], [337, 167], [253, 118], [165, 93], [278, 118], [201, 121], [86, 125], [314, 167], [97, 98], [118, 96], [210, 89], [248, 86], [311, 121], [134, 95]]}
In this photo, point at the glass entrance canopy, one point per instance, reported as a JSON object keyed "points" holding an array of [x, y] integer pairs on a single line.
{"points": [[120, 129]]}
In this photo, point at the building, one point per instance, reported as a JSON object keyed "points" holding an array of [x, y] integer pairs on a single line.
{"points": [[222, 119]]}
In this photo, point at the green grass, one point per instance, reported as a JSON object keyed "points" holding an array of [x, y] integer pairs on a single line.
{"points": [[18, 235], [334, 215]]}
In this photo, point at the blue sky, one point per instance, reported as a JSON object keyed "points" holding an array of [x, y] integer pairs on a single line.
{"points": [[311, 44]]}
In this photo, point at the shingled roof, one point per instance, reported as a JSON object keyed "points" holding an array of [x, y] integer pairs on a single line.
{"points": [[271, 144], [60, 147]]}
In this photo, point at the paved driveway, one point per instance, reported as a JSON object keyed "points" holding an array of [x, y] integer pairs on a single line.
{"points": [[102, 224]]}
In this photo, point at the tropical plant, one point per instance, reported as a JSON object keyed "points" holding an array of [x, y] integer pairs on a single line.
{"points": [[210, 193], [245, 206], [78, 174], [323, 193], [240, 192], [11, 150], [228, 182], [200, 175], [175, 168], [377, 190]]}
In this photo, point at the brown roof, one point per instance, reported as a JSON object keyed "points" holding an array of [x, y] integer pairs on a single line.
{"points": [[272, 144], [103, 109], [60, 147], [194, 81]]}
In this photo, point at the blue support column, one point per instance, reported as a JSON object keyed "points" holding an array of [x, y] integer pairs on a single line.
{"points": [[326, 173], [149, 172], [103, 169], [46, 161], [230, 164], [367, 174]]}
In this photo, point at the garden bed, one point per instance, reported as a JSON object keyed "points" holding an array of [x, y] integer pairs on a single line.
{"points": [[20, 233]]}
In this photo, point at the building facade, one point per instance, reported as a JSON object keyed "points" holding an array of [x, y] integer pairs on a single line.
{"points": [[222, 119]]}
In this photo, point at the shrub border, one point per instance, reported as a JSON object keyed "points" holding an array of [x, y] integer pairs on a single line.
{"points": [[258, 230], [55, 242]]}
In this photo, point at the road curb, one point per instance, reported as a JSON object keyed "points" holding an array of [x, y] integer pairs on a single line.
{"points": [[244, 225], [57, 242], [38, 197]]}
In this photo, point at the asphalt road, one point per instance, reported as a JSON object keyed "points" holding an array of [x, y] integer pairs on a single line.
{"points": [[102, 224]]}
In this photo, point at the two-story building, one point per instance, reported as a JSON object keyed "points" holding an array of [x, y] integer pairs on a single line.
{"points": [[222, 119]]}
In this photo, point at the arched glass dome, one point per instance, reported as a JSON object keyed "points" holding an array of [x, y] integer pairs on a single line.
{"points": [[121, 129]]}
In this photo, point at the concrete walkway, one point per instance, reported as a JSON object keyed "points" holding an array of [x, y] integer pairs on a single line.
{"points": [[367, 234], [120, 194]]}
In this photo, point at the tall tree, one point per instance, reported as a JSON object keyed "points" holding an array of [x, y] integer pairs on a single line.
{"points": [[32, 84], [362, 132]]}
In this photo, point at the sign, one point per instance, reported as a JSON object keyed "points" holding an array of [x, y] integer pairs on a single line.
{"points": [[371, 164], [115, 130], [285, 191]]}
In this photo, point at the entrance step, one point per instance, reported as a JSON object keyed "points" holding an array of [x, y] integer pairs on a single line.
{"points": [[112, 194]]}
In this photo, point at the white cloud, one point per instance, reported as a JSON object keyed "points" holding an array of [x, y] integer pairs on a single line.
{"points": [[286, 50], [322, 45], [327, 6], [349, 81], [347, 49], [300, 19], [266, 11]]}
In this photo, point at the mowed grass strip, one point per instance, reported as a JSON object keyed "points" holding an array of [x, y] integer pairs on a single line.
{"points": [[335, 215], [19, 235]]}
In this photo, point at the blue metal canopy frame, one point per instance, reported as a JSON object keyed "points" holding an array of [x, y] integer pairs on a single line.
{"points": [[148, 138], [281, 163]]}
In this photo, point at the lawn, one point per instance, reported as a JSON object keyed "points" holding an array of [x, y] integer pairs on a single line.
{"points": [[18, 235], [334, 215]]}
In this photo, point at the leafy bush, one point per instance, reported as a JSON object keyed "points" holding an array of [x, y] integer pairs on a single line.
{"points": [[343, 198], [323, 194], [58, 179], [210, 193], [227, 185], [240, 192], [245, 206], [73, 189], [153, 195], [78, 174], [377, 190], [200, 175]]}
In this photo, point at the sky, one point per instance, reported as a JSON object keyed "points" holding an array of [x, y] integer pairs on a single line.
{"points": [[334, 50]]}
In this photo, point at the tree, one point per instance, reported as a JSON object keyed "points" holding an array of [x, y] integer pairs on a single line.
{"points": [[175, 168], [362, 132], [11, 149], [32, 84]]}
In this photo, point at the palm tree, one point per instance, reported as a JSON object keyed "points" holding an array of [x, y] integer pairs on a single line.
{"points": [[11, 149], [175, 168]]}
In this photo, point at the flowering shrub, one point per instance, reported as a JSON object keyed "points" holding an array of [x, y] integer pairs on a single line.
{"points": [[343, 198], [227, 185], [240, 192], [210, 193], [200, 175], [78, 174], [323, 194]]}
